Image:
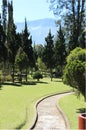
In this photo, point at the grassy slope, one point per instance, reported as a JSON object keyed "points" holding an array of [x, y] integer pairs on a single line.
{"points": [[16, 103], [72, 106]]}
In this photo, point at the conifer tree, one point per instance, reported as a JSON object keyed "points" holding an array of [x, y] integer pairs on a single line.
{"points": [[21, 61], [48, 53], [4, 15], [3, 49], [27, 45], [60, 49], [74, 18], [11, 38]]}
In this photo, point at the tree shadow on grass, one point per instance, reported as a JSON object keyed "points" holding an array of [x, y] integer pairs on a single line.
{"points": [[33, 82], [1, 87], [23, 123], [29, 83], [81, 110], [13, 84], [41, 82], [18, 84]]}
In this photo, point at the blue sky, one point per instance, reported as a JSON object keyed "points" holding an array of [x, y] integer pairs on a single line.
{"points": [[31, 9]]}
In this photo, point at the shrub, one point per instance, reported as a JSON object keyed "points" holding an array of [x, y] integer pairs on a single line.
{"points": [[8, 78], [37, 75], [74, 73]]}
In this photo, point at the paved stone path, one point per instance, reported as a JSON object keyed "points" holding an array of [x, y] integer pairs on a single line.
{"points": [[49, 115]]}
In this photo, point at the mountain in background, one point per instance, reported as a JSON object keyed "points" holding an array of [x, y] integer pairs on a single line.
{"points": [[39, 29]]}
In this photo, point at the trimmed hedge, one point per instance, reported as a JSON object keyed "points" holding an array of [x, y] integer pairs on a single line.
{"points": [[74, 73]]}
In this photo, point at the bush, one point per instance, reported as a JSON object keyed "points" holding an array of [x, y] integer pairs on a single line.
{"points": [[37, 75], [74, 73]]}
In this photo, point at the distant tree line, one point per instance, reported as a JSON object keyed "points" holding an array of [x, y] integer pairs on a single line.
{"points": [[18, 53]]}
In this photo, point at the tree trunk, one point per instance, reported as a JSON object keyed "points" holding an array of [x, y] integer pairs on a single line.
{"points": [[51, 76], [26, 75], [13, 67]]}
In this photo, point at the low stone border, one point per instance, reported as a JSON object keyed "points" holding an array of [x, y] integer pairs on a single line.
{"points": [[62, 113]]}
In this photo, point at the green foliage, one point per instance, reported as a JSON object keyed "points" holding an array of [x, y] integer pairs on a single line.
{"points": [[77, 54], [48, 53], [27, 45], [3, 49], [74, 73], [38, 48], [21, 59], [12, 44], [40, 64], [60, 49], [73, 18], [5, 78], [4, 14], [37, 75]]}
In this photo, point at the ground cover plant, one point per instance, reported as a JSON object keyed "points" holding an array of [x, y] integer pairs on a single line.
{"points": [[72, 107], [17, 102]]}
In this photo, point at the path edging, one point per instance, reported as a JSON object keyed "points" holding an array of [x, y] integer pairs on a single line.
{"points": [[64, 115], [36, 112]]}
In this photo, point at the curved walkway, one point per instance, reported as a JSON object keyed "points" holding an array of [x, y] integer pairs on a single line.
{"points": [[50, 116]]}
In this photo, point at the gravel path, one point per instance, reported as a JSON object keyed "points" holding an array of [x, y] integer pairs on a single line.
{"points": [[50, 116]]}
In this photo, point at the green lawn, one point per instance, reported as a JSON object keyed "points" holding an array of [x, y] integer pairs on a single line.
{"points": [[17, 102], [73, 106]]}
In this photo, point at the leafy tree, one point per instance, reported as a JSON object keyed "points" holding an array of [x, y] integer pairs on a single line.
{"points": [[41, 65], [48, 53], [37, 75], [74, 73], [22, 61], [60, 49]]}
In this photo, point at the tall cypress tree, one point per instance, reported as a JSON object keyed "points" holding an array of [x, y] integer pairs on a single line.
{"points": [[48, 53], [4, 14], [27, 45], [3, 49], [11, 38], [2, 41], [74, 19], [60, 49]]}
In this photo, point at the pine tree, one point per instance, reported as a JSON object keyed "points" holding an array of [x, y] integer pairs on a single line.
{"points": [[27, 45], [73, 17], [60, 49], [3, 49], [21, 61], [77, 20], [11, 38], [2, 41], [48, 53], [4, 15]]}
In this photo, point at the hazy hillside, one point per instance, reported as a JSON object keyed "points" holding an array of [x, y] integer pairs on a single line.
{"points": [[39, 29]]}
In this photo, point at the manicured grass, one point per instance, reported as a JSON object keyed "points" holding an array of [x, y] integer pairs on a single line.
{"points": [[17, 102], [73, 106]]}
